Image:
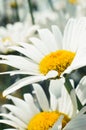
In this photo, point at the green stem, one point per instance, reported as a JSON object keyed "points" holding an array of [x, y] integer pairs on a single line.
{"points": [[31, 11], [69, 88], [51, 5], [17, 12]]}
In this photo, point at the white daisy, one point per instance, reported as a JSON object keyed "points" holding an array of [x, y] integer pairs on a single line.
{"points": [[13, 33], [70, 8], [48, 18], [80, 7], [60, 114], [66, 8], [49, 56]]}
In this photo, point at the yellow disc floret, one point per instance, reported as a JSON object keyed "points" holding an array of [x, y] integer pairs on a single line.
{"points": [[45, 120], [58, 61], [72, 1], [13, 4], [5, 39]]}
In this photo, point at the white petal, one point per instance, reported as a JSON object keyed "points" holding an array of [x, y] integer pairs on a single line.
{"points": [[74, 102], [30, 52], [74, 34], [81, 90], [79, 60], [18, 112], [40, 45], [48, 38], [21, 72], [55, 92], [8, 122], [51, 74], [66, 38], [56, 86], [22, 82], [65, 104], [20, 104], [79, 34], [29, 99], [18, 62], [58, 36], [78, 123], [43, 102], [58, 124], [53, 101], [19, 122], [29, 108], [33, 52]]}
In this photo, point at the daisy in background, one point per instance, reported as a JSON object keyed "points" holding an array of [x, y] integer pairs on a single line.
{"points": [[80, 7], [60, 114], [49, 56], [66, 8], [48, 18], [70, 8], [13, 33]]}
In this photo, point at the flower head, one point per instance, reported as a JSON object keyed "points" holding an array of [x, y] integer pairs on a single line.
{"points": [[12, 34], [50, 56], [61, 113]]}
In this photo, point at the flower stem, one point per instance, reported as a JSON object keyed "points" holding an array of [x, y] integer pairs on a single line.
{"points": [[31, 11], [51, 5], [17, 12]]}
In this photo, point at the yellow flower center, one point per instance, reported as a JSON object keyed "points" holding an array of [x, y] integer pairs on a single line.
{"points": [[6, 39], [45, 120], [13, 4], [72, 1], [58, 61]]}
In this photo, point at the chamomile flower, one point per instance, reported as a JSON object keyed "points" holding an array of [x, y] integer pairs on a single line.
{"points": [[60, 114], [50, 56], [13, 33], [70, 8], [80, 7]]}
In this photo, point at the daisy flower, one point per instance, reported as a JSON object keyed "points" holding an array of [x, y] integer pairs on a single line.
{"points": [[50, 56], [48, 18], [80, 7], [60, 114], [66, 8], [12, 34], [70, 8]]}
